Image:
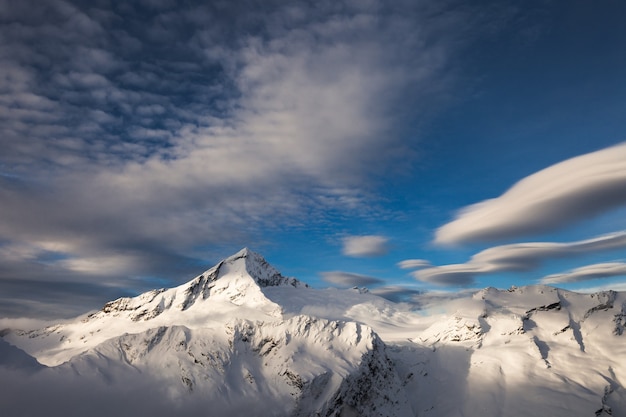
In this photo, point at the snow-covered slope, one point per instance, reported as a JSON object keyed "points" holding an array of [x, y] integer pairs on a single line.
{"points": [[241, 339], [301, 366], [232, 288], [14, 358], [526, 351], [220, 340]]}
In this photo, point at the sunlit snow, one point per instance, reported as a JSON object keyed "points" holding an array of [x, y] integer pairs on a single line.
{"points": [[241, 339]]}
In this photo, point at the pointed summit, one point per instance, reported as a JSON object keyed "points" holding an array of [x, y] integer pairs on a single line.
{"points": [[235, 284], [244, 252], [264, 274], [236, 279]]}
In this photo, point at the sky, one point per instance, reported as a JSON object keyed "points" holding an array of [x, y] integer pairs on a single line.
{"points": [[406, 146]]}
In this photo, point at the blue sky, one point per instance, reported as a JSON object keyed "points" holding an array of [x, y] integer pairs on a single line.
{"points": [[144, 141]]}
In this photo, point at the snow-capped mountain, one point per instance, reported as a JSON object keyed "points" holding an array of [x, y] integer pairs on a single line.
{"points": [[232, 288], [526, 351], [241, 339]]}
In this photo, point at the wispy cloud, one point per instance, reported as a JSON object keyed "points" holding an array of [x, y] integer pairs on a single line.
{"points": [[517, 257], [562, 194], [365, 246], [588, 272], [141, 134], [348, 279]]}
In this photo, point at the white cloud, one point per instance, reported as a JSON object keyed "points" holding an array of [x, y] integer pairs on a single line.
{"points": [[413, 264], [615, 286], [561, 194], [365, 246], [112, 264], [24, 323], [588, 272], [348, 279], [517, 257], [157, 153]]}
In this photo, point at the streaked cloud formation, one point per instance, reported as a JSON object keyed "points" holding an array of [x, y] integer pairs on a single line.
{"points": [[588, 272], [348, 279], [568, 192], [516, 258], [365, 246], [136, 135]]}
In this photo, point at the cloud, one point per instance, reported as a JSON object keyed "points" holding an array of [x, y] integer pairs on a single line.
{"points": [[348, 279], [517, 258], [526, 256], [559, 195], [588, 272], [55, 297], [396, 293], [24, 323], [62, 391], [438, 302], [413, 264], [365, 246], [615, 286], [454, 274], [145, 139]]}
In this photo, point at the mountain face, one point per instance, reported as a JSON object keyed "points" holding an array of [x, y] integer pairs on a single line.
{"points": [[241, 339], [232, 288]]}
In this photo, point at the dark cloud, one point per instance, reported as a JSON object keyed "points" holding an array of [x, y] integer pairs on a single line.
{"points": [[396, 293], [56, 298], [348, 279]]}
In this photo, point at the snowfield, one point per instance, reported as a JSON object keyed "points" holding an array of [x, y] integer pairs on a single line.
{"points": [[242, 340]]}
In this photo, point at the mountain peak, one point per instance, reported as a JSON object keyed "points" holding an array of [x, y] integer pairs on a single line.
{"points": [[243, 253], [237, 279], [263, 273], [235, 284]]}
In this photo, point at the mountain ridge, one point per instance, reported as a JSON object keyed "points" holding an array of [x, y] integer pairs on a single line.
{"points": [[261, 272], [233, 286], [242, 334]]}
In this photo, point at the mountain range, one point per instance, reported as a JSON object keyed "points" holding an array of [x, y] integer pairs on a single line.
{"points": [[243, 340]]}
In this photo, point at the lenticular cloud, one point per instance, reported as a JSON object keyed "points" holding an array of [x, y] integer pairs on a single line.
{"points": [[588, 272], [365, 246], [518, 257], [554, 197]]}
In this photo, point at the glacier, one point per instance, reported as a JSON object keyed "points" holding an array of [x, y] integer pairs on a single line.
{"points": [[242, 339]]}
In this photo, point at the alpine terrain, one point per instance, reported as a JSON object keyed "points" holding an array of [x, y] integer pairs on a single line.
{"points": [[243, 340]]}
